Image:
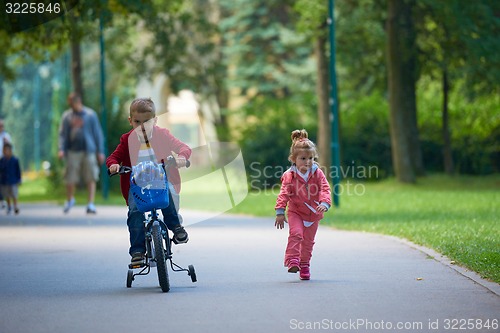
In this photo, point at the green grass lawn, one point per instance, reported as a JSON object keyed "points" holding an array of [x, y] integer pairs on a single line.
{"points": [[457, 216], [38, 189]]}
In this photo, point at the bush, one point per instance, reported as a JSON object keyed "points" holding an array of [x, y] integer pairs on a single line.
{"points": [[474, 127], [265, 136], [364, 134]]}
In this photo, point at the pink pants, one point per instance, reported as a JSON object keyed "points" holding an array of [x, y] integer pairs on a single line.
{"points": [[300, 239]]}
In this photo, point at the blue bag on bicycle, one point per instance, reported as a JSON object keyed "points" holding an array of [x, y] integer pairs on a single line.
{"points": [[149, 186]]}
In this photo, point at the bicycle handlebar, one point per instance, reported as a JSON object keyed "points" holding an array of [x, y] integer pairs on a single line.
{"points": [[126, 169], [171, 162]]}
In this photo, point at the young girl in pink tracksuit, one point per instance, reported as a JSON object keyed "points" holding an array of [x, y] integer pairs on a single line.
{"points": [[306, 191]]}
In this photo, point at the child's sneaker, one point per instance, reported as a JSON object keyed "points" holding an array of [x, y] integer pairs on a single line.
{"points": [[137, 259], [293, 266], [9, 210], [180, 235], [305, 274], [68, 205]]}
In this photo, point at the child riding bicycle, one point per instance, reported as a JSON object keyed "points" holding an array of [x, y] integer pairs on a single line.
{"points": [[148, 142]]}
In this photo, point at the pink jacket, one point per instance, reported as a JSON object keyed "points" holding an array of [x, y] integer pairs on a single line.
{"points": [[303, 197]]}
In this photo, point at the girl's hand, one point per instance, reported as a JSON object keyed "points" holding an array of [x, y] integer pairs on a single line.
{"points": [[114, 168], [321, 208], [280, 221]]}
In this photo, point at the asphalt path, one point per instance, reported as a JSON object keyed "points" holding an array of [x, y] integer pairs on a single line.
{"points": [[67, 273]]}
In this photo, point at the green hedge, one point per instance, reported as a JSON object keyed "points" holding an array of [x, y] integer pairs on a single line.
{"points": [[264, 135]]}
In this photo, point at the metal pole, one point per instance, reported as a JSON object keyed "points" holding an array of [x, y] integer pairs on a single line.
{"points": [[105, 180], [334, 107], [36, 121]]}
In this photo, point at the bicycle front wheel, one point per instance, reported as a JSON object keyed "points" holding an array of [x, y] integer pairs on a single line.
{"points": [[161, 261]]}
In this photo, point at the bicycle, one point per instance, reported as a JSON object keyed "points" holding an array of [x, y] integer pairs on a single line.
{"points": [[150, 198]]}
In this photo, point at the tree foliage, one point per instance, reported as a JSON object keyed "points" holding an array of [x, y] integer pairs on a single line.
{"points": [[266, 156], [463, 37], [267, 56], [252, 60]]}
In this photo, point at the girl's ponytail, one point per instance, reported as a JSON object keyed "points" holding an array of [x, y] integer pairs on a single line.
{"points": [[300, 141], [299, 134]]}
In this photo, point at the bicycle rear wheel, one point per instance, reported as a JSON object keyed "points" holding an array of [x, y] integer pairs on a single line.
{"points": [[161, 261]]}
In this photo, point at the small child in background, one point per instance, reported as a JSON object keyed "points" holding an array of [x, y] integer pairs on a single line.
{"points": [[10, 177], [306, 192]]}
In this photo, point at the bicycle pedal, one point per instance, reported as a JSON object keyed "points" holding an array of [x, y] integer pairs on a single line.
{"points": [[176, 242], [133, 266]]}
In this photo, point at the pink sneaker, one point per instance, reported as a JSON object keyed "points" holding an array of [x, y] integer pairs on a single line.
{"points": [[293, 266], [305, 274]]}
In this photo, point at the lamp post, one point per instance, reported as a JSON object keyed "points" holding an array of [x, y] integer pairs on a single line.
{"points": [[105, 180], [334, 107], [55, 113]]}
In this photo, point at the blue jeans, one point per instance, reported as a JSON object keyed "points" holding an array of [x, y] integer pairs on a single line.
{"points": [[135, 223]]}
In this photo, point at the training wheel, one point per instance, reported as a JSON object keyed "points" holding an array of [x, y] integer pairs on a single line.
{"points": [[130, 278], [192, 273]]}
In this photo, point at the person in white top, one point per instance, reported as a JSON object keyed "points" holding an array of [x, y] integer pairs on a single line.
{"points": [[4, 137]]}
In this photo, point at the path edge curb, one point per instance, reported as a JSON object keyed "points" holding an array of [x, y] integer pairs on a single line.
{"points": [[444, 260]]}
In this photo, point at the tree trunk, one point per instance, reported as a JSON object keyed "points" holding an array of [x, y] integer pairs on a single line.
{"points": [[401, 66], [221, 91], [220, 122], [76, 67], [2, 93], [76, 59], [447, 155], [324, 128]]}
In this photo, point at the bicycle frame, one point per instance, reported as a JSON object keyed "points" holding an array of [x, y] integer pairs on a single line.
{"points": [[156, 232], [150, 257], [148, 224]]}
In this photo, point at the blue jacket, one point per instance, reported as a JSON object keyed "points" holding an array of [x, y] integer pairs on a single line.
{"points": [[10, 171], [94, 138]]}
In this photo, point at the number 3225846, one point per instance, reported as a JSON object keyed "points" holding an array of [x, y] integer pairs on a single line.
{"points": [[470, 324], [32, 8]]}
